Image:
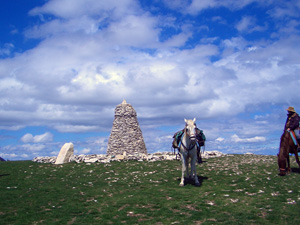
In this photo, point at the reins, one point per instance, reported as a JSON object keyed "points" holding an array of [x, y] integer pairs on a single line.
{"points": [[185, 147]]}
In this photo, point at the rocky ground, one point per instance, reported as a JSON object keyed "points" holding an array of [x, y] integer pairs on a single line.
{"points": [[101, 158]]}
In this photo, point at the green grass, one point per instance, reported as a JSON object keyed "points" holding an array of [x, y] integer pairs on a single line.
{"points": [[239, 189]]}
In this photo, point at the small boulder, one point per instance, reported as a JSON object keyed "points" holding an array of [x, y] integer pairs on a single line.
{"points": [[120, 157], [65, 153], [91, 160]]}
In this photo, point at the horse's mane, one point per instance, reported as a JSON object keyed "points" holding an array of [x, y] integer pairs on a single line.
{"points": [[284, 138]]}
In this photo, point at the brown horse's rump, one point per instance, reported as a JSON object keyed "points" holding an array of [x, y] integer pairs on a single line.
{"points": [[287, 146]]}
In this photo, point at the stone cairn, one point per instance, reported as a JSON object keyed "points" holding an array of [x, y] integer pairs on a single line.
{"points": [[126, 137]]}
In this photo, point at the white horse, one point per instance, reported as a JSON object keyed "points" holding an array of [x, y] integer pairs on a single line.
{"points": [[188, 150]]}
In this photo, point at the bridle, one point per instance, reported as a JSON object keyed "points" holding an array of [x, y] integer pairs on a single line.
{"points": [[193, 142]]}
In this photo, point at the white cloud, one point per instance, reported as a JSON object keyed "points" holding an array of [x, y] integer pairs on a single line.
{"points": [[85, 151], [197, 6], [12, 127], [8, 156], [76, 128], [248, 25], [33, 147], [29, 138], [285, 9], [86, 69], [76, 8], [220, 139], [235, 138], [58, 27], [6, 49], [46, 137], [25, 156], [55, 153], [134, 30]]}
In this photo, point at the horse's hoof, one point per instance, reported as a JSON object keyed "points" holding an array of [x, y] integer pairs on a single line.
{"points": [[197, 184], [181, 185], [282, 173]]}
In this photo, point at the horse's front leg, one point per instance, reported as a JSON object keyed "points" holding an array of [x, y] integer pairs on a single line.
{"points": [[297, 158], [183, 170], [194, 170]]}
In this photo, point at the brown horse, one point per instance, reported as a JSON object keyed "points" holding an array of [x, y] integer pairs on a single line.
{"points": [[287, 146]]}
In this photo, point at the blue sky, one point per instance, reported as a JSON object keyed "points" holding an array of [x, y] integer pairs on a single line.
{"points": [[66, 64]]}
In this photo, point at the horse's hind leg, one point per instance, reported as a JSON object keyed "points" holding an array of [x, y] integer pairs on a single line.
{"points": [[297, 158], [194, 171], [187, 175], [288, 163]]}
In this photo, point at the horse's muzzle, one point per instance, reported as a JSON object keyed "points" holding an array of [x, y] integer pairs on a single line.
{"points": [[193, 138]]}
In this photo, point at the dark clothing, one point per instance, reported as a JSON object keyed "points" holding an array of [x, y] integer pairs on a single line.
{"points": [[292, 121]]}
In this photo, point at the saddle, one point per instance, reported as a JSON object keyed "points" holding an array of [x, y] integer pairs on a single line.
{"points": [[297, 133], [200, 137], [176, 139]]}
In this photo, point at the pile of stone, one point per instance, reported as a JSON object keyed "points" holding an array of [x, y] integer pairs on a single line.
{"points": [[126, 135], [45, 159], [101, 158], [211, 154]]}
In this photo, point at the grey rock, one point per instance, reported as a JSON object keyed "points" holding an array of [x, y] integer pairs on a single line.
{"points": [[65, 153]]}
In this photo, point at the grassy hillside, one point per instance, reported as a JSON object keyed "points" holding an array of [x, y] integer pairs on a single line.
{"points": [[239, 189]]}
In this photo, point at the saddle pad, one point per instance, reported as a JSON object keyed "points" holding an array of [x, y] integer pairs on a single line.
{"points": [[297, 133]]}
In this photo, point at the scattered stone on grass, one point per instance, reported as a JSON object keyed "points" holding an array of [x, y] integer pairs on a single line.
{"points": [[103, 158]]}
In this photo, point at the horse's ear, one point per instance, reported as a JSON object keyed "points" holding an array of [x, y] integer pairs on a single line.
{"points": [[194, 120], [185, 120]]}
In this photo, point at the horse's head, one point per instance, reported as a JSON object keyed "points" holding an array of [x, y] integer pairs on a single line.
{"points": [[190, 128], [281, 164]]}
